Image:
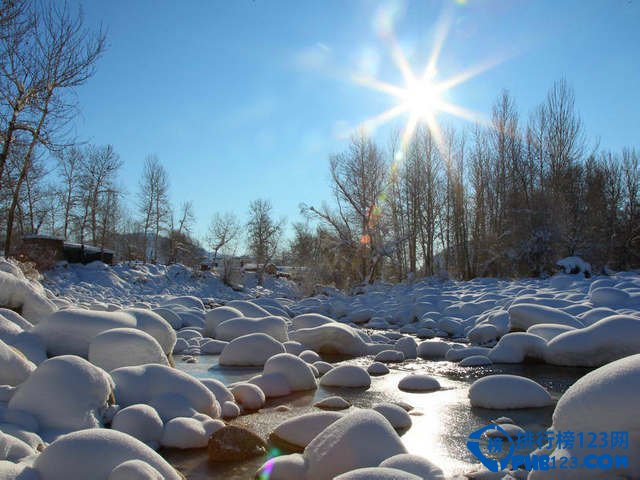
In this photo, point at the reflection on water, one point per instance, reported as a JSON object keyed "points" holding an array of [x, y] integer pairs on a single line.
{"points": [[442, 420]]}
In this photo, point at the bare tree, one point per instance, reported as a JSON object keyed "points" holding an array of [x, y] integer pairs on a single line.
{"points": [[224, 230], [153, 201], [263, 234]]}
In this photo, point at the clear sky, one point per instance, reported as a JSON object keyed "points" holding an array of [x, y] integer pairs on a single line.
{"points": [[245, 99]]}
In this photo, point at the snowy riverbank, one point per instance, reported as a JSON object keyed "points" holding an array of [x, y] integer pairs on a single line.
{"points": [[109, 397]]}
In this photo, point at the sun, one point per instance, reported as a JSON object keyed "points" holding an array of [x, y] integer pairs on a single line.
{"points": [[422, 96]]}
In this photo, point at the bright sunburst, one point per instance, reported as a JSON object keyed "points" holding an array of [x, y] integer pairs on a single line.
{"points": [[421, 97]]}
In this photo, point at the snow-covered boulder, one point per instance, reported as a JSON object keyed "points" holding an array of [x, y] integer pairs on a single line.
{"points": [[351, 376], [458, 354], [143, 383], [518, 347], [253, 349], [377, 473], [475, 361], [13, 449], [219, 389], [152, 323], [508, 391], [525, 315], [249, 396], [332, 403], [396, 415], [14, 367], [64, 393], [414, 464], [216, 316], [125, 347], [605, 341], [574, 265], [408, 346], [275, 327], [95, 454], [296, 371], [377, 369], [310, 320], [604, 400], [301, 430], [141, 422], [418, 382], [609, 297], [341, 448], [331, 338], [483, 334], [186, 433], [26, 296], [248, 309], [389, 356], [433, 349], [69, 332], [549, 331]]}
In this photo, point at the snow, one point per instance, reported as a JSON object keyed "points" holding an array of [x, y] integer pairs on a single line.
{"points": [[433, 349], [518, 347], [389, 356], [332, 403], [377, 368], [218, 315], [377, 473], [69, 332], [152, 323], [295, 371], [548, 331], [396, 416], [14, 449], [230, 410], [301, 430], [125, 347], [143, 383], [331, 339], [134, 470], [574, 265], [275, 327], [141, 422], [248, 396], [475, 361], [64, 393], [272, 384], [185, 433], [310, 320], [605, 341], [524, 315], [508, 392], [15, 367], [309, 356], [408, 346], [219, 389], [414, 464], [322, 367], [248, 308], [253, 349], [340, 447], [609, 297], [418, 382], [604, 400], [94, 454], [351, 376], [19, 293]]}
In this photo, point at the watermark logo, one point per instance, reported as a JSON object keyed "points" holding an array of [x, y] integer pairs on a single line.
{"points": [[498, 450]]}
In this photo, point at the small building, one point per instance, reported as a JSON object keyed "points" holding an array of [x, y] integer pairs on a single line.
{"points": [[45, 251]]}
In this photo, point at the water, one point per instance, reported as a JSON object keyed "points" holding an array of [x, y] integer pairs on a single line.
{"points": [[442, 420]]}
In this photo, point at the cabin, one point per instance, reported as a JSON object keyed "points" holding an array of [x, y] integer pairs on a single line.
{"points": [[45, 251]]}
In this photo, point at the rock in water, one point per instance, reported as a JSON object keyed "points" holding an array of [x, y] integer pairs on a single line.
{"points": [[232, 444]]}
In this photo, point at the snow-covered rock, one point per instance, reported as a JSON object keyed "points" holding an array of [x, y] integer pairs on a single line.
{"points": [[389, 356], [416, 465], [475, 361], [604, 400], [296, 371], [518, 347], [609, 297], [141, 422], [94, 454], [396, 415], [310, 320], [508, 392], [248, 309], [331, 338], [14, 367], [548, 331], [605, 341], [377, 473], [418, 382], [152, 323], [143, 383], [433, 349], [276, 327], [186, 433], [64, 393], [301, 430], [377, 368], [29, 298], [525, 315], [216, 316], [332, 403], [125, 347], [253, 349], [249, 396], [351, 376]]}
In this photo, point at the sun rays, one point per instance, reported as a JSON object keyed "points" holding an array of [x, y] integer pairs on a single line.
{"points": [[421, 96]]}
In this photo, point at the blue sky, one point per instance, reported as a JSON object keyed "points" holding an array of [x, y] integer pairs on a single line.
{"points": [[247, 99]]}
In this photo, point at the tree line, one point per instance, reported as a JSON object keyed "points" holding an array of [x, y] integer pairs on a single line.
{"points": [[506, 199]]}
